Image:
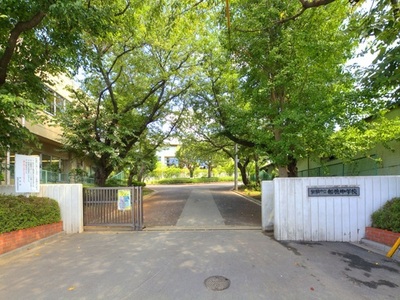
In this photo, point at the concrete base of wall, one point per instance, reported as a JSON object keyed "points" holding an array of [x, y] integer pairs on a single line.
{"points": [[267, 205], [382, 236]]}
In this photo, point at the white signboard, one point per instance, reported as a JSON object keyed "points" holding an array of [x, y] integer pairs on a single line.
{"points": [[27, 173]]}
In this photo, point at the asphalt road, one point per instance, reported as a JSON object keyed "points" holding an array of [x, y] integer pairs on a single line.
{"points": [[165, 206]]}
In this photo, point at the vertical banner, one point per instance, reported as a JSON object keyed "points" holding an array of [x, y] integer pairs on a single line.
{"points": [[124, 200], [27, 173]]}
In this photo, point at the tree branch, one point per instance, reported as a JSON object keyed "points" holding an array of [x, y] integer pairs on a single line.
{"points": [[128, 3], [306, 5], [18, 29]]}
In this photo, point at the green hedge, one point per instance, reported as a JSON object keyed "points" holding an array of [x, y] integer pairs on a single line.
{"points": [[117, 183], [19, 212], [192, 180], [388, 216]]}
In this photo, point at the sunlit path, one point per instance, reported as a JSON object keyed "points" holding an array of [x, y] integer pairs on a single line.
{"points": [[200, 210]]}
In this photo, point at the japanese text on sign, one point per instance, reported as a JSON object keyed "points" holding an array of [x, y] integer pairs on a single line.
{"points": [[334, 191], [27, 173]]}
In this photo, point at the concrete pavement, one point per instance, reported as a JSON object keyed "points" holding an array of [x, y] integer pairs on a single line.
{"points": [[174, 265]]}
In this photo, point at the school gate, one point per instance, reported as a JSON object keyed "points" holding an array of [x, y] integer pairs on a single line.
{"points": [[113, 207]]}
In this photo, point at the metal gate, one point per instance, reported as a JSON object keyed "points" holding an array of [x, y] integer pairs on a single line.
{"points": [[113, 206]]}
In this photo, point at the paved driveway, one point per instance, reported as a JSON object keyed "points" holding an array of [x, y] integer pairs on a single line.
{"points": [[201, 206], [175, 265]]}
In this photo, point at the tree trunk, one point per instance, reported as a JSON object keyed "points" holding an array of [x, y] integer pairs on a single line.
{"points": [[245, 178], [242, 168], [130, 177], [15, 33], [282, 171], [102, 172], [191, 172], [100, 177], [290, 170], [257, 170], [292, 167]]}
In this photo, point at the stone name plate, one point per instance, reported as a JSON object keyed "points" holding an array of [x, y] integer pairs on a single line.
{"points": [[334, 191]]}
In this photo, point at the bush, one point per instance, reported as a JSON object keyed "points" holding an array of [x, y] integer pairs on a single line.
{"points": [[19, 212], [114, 182], [388, 216], [138, 183], [175, 180], [193, 180]]}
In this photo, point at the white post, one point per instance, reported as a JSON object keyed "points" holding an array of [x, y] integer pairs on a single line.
{"points": [[8, 173]]}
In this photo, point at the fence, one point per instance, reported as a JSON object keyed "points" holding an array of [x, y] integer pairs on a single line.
{"points": [[111, 206]]}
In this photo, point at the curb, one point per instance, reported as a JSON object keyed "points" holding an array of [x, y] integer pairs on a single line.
{"points": [[33, 245], [377, 248], [248, 198], [201, 228]]}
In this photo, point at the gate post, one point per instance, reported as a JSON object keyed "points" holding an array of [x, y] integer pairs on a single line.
{"points": [[137, 208]]}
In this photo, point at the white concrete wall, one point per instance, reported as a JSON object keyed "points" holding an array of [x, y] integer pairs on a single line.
{"points": [[267, 205], [68, 196], [343, 219]]}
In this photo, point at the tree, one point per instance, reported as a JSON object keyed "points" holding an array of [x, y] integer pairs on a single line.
{"points": [[38, 38], [141, 160], [381, 31], [188, 158], [135, 80], [293, 89]]}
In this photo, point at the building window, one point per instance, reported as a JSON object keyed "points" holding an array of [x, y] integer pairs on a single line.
{"points": [[53, 102]]}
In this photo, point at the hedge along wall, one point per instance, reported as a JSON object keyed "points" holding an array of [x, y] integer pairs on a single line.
{"points": [[297, 216], [69, 198]]}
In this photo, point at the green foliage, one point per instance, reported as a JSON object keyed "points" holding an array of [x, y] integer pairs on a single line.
{"points": [[14, 136], [381, 30], [138, 183], [388, 216], [193, 180], [136, 77], [19, 212], [39, 38], [115, 182], [280, 88], [362, 136]]}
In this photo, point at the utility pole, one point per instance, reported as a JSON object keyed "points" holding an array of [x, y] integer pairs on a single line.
{"points": [[236, 168]]}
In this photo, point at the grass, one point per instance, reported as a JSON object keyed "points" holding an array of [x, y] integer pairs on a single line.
{"points": [[253, 192]]}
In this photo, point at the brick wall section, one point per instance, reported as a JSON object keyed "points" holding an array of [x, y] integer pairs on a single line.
{"points": [[381, 236], [16, 239]]}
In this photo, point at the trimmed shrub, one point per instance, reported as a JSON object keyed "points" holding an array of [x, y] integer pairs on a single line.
{"points": [[114, 182], [193, 180], [175, 181], [138, 183], [388, 216], [20, 212]]}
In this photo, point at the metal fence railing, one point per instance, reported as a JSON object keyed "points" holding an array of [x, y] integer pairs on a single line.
{"points": [[111, 206], [358, 167]]}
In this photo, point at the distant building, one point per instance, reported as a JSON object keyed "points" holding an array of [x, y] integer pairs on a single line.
{"points": [[167, 154]]}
